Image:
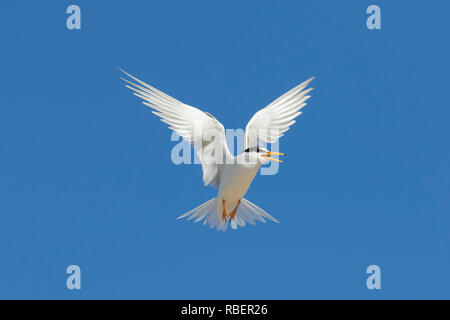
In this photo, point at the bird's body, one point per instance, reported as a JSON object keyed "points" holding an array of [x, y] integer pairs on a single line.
{"points": [[234, 183], [231, 175]]}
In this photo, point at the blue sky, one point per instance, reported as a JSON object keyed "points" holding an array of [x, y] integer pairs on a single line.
{"points": [[86, 176]]}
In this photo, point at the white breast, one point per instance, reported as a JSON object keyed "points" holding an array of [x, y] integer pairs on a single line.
{"points": [[234, 183]]}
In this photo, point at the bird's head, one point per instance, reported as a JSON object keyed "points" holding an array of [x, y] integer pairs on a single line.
{"points": [[262, 155]]}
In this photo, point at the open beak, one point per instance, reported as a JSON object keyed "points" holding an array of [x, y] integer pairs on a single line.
{"points": [[268, 154]]}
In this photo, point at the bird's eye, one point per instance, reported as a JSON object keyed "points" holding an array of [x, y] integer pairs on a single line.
{"points": [[247, 150], [257, 149]]}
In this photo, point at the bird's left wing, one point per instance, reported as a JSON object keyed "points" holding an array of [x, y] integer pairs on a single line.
{"points": [[269, 123], [205, 133]]}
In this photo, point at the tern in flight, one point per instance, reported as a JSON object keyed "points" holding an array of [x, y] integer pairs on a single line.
{"points": [[231, 175]]}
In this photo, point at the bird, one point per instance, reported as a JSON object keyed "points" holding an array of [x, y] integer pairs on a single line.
{"points": [[230, 175]]}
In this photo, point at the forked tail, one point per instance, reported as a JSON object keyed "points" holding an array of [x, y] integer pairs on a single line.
{"points": [[246, 212]]}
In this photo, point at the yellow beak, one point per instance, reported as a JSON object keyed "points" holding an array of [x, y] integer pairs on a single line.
{"points": [[268, 154]]}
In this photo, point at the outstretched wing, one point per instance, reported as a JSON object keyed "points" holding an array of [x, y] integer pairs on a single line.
{"points": [[270, 123], [201, 129]]}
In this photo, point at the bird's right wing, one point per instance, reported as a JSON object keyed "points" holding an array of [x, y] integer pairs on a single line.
{"points": [[269, 123], [205, 133]]}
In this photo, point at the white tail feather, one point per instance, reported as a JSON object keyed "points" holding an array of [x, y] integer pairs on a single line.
{"points": [[247, 212]]}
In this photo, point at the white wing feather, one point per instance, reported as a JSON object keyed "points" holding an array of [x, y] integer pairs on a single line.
{"points": [[201, 129], [270, 123]]}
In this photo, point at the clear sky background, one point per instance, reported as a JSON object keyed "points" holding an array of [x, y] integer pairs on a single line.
{"points": [[86, 176]]}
